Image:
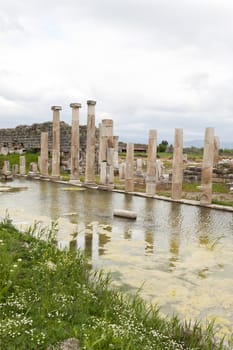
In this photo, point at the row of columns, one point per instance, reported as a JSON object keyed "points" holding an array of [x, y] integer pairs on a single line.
{"points": [[211, 146], [90, 150], [108, 148], [108, 155]]}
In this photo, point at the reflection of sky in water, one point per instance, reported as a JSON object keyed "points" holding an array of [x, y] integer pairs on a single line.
{"points": [[182, 255]]}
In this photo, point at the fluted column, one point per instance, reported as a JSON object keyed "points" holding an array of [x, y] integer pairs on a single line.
{"points": [[177, 166], [115, 146], [129, 170], [44, 154], [90, 147], [22, 165], [151, 163], [106, 153], [207, 167], [56, 142], [74, 174]]}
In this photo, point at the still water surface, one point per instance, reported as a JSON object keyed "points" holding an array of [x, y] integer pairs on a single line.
{"points": [[181, 256]]}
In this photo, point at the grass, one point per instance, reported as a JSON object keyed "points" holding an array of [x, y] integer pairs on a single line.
{"points": [[191, 187], [48, 295], [222, 202], [195, 187], [14, 159]]}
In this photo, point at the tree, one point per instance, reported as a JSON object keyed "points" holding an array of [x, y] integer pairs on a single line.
{"points": [[162, 146]]}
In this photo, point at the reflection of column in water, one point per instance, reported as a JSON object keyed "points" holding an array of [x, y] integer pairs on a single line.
{"points": [[103, 240], [87, 205], [81, 237], [54, 201], [175, 224], [63, 245], [127, 201], [95, 242], [73, 245], [149, 239], [72, 197], [127, 232], [149, 219], [88, 243], [204, 225], [44, 188]]}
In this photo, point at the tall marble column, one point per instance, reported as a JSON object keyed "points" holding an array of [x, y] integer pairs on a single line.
{"points": [[44, 155], [106, 153], [22, 165], [129, 169], [151, 163], [56, 142], [177, 165], [90, 147], [216, 150], [115, 146], [207, 167], [74, 174], [105, 139]]}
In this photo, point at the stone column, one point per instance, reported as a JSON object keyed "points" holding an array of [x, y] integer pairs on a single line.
{"points": [[44, 155], [177, 166], [90, 147], [216, 150], [122, 167], [56, 142], [106, 153], [151, 163], [15, 169], [6, 166], [105, 138], [139, 166], [22, 165], [115, 157], [129, 169], [74, 174], [207, 167]]}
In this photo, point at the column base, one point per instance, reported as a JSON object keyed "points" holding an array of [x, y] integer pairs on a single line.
{"points": [[90, 185], [75, 182], [106, 187]]}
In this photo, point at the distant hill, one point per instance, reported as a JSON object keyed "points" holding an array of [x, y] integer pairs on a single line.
{"points": [[200, 143]]}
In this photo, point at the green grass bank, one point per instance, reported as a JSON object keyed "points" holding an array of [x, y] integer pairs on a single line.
{"points": [[48, 295]]}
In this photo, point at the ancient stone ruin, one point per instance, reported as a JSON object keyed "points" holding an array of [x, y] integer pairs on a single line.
{"points": [[90, 151]]}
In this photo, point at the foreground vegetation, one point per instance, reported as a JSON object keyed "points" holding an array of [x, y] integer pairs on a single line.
{"points": [[47, 296]]}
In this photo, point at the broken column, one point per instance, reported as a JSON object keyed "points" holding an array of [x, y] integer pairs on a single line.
{"points": [[122, 167], [216, 150], [6, 166], [151, 163], [177, 165], [106, 153], [15, 169], [22, 165], [90, 147], [44, 155], [74, 173], [56, 142], [207, 167], [129, 169]]}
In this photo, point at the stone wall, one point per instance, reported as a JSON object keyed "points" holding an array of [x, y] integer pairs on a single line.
{"points": [[28, 137]]}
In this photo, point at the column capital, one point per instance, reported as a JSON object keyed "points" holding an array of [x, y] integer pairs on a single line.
{"points": [[75, 105], [56, 108], [91, 102]]}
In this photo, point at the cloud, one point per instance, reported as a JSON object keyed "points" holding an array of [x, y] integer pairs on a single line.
{"points": [[149, 64]]}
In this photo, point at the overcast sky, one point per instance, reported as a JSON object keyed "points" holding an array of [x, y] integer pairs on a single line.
{"points": [[149, 64]]}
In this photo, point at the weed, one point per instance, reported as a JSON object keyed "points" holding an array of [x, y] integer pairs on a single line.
{"points": [[48, 295]]}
